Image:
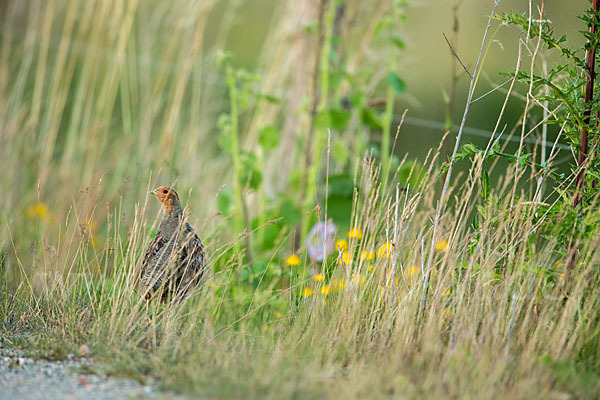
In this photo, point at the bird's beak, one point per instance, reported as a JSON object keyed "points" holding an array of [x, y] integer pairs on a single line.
{"points": [[153, 191]]}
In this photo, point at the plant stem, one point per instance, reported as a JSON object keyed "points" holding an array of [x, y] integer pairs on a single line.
{"points": [[583, 141], [319, 137], [241, 219], [387, 122]]}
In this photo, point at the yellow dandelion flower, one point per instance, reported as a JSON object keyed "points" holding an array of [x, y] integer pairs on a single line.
{"points": [[385, 251], [277, 314], [307, 292], [318, 277], [38, 210], [441, 245], [265, 327], [324, 290], [370, 268], [368, 255], [293, 260], [341, 244], [355, 234], [345, 259], [446, 292], [562, 276]]}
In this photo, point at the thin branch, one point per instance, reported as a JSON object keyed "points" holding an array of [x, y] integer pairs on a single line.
{"points": [[444, 194], [457, 57], [493, 90]]}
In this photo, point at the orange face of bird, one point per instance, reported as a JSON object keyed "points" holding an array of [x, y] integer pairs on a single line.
{"points": [[166, 196]]}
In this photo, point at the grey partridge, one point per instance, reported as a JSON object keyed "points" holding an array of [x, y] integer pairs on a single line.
{"points": [[175, 259]]}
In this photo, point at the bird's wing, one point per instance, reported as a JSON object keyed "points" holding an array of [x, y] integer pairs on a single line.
{"points": [[192, 255], [150, 258]]}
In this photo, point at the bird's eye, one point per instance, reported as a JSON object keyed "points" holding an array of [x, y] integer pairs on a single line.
{"points": [[165, 191]]}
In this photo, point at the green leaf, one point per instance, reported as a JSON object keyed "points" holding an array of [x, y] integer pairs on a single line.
{"points": [[322, 120], [250, 174], [340, 152], [397, 83], [339, 118], [268, 137], [369, 118], [485, 186], [270, 98], [398, 41], [335, 118], [224, 202], [475, 222]]}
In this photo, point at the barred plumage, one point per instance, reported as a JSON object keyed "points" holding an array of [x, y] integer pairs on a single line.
{"points": [[175, 259]]}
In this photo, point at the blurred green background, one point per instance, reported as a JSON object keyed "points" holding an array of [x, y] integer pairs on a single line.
{"points": [[425, 64]]}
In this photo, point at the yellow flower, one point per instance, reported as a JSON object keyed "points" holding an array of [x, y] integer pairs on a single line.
{"points": [[318, 277], [293, 260], [341, 244], [345, 259], [368, 255], [441, 246], [370, 267], [338, 284], [355, 234], [324, 290], [446, 292], [385, 251], [277, 314], [562, 276], [307, 292], [38, 210], [265, 327]]}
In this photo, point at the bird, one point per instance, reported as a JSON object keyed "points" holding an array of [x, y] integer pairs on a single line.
{"points": [[175, 259]]}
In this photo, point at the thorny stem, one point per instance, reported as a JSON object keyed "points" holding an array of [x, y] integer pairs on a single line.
{"points": [[444, 194], [583, 141]]}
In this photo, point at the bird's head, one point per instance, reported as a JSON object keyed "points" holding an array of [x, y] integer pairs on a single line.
{"points": [[167, 197]]}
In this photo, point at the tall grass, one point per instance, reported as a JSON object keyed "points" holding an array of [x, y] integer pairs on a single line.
{"points": [[102, 101]]}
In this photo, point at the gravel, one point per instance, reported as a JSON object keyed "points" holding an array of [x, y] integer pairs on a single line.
{"points": [[25, 378]]}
